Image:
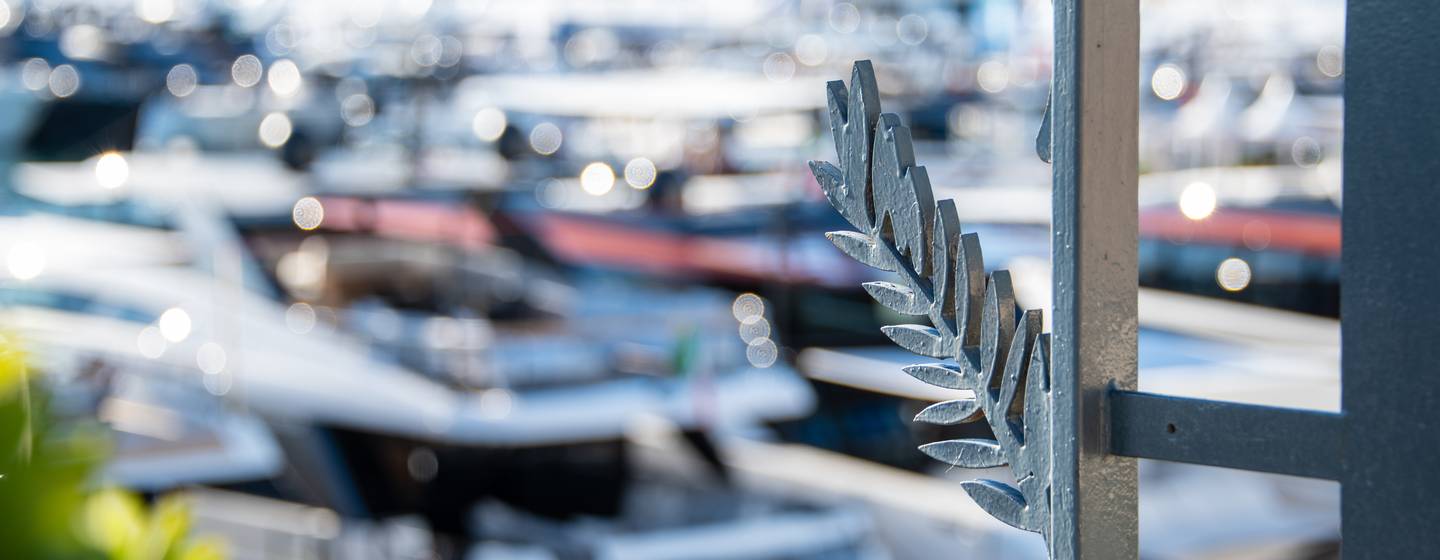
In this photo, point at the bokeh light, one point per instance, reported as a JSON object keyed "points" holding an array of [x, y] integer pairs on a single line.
{"points": [[844, 17], [753, 327], [64, 81], [174, 324], [1197, 201], [640, 173], [597, 178], [181, 80], [546, 138], [1233, 274], [1306, 151], [275, 130], [35, 74], [111, 170], [811, 49], [210, 358], [308, 213], [488, 124], [912, 29], [24, 261], [1168, 82], [83, 42], [357, 110], [284, 78], [155, 11], [426, 50], [762, 352], [300, 318], [993, 76], [246, 71], [1256, 235], [779, 67], [1330, 60], [746, 306]]}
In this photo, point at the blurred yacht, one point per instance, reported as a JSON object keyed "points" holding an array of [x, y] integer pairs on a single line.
{"points": [[538, 423]]}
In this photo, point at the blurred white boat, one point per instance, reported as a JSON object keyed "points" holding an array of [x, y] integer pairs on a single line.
{"points": [[236, 342]]}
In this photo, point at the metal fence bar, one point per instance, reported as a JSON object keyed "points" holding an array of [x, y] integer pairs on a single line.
{"points": [[1094, 134], [1390, 501], [1225, 434]]}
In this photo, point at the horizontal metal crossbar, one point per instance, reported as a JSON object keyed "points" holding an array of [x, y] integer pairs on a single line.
{"points": [[1225, 434]]}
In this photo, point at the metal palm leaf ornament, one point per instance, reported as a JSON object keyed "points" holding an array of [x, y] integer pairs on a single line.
{"points": [[941, 275]]}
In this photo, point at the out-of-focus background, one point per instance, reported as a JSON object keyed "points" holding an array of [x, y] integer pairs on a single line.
{"points": [[533, 279]]}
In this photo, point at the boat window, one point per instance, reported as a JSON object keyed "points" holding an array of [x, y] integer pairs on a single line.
{"points": [[76, 303]]}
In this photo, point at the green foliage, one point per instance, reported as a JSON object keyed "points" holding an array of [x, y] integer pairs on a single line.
{"points": [[115, 523], [684, 359], [48, 509]]}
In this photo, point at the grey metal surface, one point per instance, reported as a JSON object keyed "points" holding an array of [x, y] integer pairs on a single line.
{"points": [[1094, 129], [1043, 143], [939, 270], [1224, 434], [1390, 496], [1069, 427]]}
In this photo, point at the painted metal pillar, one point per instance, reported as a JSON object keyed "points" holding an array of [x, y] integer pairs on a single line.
{"points": [[1094, 130], [1390, 498]]}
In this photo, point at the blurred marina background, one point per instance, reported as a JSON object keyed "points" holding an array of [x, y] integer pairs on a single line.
{"points": [[535, 279]]}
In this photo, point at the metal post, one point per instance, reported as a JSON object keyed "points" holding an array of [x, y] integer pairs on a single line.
{"points": [[1391, 363], [1094, 134]]}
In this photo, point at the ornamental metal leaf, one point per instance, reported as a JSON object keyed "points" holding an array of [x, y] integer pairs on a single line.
{"points": [[974, 324]]}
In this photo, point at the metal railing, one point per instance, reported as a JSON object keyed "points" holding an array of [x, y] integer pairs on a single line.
{"points": [[1063, 406]]}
